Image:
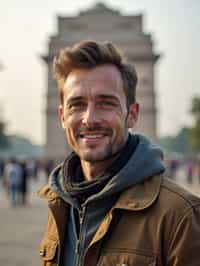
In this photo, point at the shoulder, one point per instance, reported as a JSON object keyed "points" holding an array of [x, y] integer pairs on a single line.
{"points": [[174, 198], [182, 218], [178, 193]]}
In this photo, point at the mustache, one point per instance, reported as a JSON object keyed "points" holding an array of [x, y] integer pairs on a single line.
{"points": [[95, 128]]}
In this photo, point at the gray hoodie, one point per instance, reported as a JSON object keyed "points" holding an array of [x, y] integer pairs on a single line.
{"points": [[84, 219]]}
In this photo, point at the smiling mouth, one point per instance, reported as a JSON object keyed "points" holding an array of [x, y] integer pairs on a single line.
{"points": [[92, 136]]}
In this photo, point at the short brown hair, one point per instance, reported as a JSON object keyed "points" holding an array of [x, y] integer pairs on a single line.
{"points": [[90, 54]]}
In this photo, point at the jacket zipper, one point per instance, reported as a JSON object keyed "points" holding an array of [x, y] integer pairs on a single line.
{"points": [[80, 238]]}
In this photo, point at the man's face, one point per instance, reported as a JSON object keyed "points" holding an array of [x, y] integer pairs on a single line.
{"points": [[94, 113]]}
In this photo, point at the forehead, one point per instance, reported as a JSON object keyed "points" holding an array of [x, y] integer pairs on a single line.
{"points": [[104, 79]]}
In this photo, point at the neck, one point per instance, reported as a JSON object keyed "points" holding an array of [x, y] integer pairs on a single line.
{"points": [[93, 170]]}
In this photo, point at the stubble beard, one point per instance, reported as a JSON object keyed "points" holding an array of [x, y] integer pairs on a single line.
{"points": [[101, 156]]}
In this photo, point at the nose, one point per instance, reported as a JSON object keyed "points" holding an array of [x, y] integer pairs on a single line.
{"points": [[90, 115]]}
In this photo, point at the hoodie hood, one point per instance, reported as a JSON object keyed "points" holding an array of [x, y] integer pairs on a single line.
{"points": [[146, 161]]}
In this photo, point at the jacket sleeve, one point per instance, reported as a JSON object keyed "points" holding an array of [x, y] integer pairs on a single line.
{"points": [[184, 248]]}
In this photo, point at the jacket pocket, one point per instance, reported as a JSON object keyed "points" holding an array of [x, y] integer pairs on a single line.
{"points": [[48, 251], [126, 259]]}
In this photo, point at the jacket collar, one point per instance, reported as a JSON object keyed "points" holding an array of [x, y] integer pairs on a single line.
{"points": [[47, 193], [138, 197]]}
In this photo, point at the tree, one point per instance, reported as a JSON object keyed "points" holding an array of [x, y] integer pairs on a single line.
{"points": [[195, 108], [178, 143], [4, 141], [194, 132]]}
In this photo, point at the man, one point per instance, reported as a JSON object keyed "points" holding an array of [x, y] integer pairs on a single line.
{"points": [[13, 177], [109, 203]]}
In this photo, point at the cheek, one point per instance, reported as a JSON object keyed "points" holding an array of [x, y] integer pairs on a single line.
{"points": [[117, 123], [70, 135], [114, 115], [68, 120], [72, 124]]}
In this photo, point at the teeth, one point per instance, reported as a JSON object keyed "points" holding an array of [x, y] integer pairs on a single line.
{"points": [[92, 136]]}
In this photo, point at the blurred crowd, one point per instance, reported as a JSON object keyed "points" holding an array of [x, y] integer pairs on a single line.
{"points": [[15, 175], [186, 167]]}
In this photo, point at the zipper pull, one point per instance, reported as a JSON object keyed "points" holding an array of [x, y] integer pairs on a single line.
{"points": [[77, 249], [81, 215]]}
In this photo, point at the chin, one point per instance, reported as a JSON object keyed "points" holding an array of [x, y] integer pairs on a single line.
{"points": [[96, 157], [90, 158]]}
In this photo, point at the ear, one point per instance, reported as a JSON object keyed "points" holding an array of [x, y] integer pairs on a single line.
{"points": [[61, 115], [133, 114]]}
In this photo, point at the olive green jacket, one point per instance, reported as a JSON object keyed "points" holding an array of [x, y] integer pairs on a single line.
{"points": [[152, 223]]}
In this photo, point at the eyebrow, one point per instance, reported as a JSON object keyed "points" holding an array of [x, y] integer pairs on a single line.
{"points": [[108, 97], [101, 96], [74, 99]]}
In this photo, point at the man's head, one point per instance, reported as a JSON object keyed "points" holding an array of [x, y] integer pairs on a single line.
{"points": [[97, 92], [90, 54]]}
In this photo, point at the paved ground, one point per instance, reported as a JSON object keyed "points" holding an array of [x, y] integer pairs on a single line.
{"points": [[21, 228]]}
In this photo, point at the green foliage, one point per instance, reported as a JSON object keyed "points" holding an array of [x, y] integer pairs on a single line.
{"points": [[178, 143], [21, 147], [195, 108], [167, 143], [188, 139], [194, 136], [181, 143], [194, 132], [4, 141]]}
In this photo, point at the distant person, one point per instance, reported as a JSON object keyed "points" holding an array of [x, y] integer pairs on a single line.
{"points": [[173, 166], [24, 183], [198, 167], [13, 175], [190, 171], [109, 201], [32, 168], [2, 165]]}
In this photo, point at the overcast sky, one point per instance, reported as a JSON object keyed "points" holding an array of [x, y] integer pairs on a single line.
{"points": [[26, 25]]}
